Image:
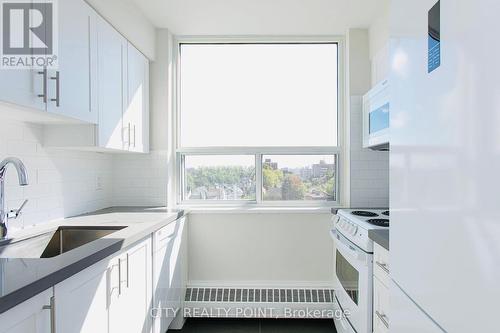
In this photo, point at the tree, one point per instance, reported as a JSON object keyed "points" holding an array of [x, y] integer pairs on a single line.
{"points": [[292, 188], [271, 178]]}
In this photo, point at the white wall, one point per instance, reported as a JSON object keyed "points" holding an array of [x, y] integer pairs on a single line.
{"points": [[379, 45], [61, 183], [272, 249], [369, 172], [130, 22]]}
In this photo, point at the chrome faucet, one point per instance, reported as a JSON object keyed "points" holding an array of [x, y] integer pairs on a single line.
{"points": [[23, 180]]}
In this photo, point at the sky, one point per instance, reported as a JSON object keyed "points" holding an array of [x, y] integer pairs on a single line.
{"points": [[290, 161], [258, 95]]}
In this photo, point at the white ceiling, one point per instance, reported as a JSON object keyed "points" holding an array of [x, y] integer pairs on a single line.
{"points": [[260, 17]]}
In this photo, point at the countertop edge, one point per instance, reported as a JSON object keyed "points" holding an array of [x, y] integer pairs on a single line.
{"points": [[381, 237]]}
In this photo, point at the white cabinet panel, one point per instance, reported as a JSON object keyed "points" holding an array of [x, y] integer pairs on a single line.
{"points": [[406, 317], [136, 118], [169, 275], [70, 88], [445, 157], [129, 309], [168, 278], [112, 51], [380, 306], [23, 86], [82, 301], [29, 316]]}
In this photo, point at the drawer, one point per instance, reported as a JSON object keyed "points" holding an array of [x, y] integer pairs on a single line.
{"points": [[163, 236], [381, 264], [380, 307]]}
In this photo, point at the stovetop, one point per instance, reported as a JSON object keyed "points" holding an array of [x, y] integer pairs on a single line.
{"points": [[354, 224], [367, 218]]}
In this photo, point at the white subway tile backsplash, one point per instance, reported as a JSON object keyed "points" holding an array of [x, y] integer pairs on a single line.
{"points": [[61, 183]]}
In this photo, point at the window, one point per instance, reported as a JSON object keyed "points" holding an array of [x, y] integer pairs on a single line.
{"points": [[219, 177], [298, 177], [258, 122]]}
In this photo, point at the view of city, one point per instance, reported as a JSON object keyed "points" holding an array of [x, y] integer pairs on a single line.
{"points": [[281, 180]]}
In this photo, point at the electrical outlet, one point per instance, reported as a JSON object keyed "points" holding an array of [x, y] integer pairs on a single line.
{"points": [[98, 183]]}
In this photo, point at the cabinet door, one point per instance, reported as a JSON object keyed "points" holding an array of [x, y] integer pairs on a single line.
{"points": [[71, 88], [176, 268], [112, 49], [82, 301], [163, 243], [136, 119], [23, 86], [29, 316], [129, 310]]}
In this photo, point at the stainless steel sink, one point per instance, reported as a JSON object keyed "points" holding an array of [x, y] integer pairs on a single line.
{"points": [[64, 239]]}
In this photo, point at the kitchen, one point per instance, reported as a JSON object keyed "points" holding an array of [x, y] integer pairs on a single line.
{"points": [[223, 166]]}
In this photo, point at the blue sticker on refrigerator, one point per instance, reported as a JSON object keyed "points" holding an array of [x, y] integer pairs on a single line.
{"points": [[434, 38]]}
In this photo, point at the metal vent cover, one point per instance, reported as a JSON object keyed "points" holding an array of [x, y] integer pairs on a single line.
{"points": [[251, 295]]}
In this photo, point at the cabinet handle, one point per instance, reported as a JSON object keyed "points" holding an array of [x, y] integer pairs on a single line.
{"points": [[383, 266], [127, 272], [44, 86], [52, 308], [129, 134], [57, 79], [134, 135], [119, 276], [383, 318]]}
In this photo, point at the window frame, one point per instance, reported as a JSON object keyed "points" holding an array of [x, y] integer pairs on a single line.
{"points": [[340, 151]]}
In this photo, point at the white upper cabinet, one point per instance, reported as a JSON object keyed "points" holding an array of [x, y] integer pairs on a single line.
{"points": [[71, 87], [24, 87], [112, 60], [136, 117], [102, 80]]}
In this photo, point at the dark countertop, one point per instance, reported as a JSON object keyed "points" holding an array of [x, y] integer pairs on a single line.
{"points": [[27, 275], [380, 236]]}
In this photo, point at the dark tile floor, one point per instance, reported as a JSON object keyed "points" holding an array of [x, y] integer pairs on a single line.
{"points": [[257, 326]]}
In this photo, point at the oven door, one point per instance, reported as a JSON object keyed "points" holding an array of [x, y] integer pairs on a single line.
{"points": [[353, 283]]}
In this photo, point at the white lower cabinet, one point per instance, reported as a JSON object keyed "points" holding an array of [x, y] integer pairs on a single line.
{"points": [[381, 281], [82, 301], [380, 307], [130, 301], [113, 295], [168, 274], [31, 316]]}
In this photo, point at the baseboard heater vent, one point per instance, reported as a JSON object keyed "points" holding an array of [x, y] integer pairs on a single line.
{"points": [[262, 303]]}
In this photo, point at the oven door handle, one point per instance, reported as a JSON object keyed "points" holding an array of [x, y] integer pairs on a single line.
{"points": [[346, 248]]}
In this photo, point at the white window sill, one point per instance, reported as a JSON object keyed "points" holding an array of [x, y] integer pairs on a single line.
{"points": [[255, 210]]}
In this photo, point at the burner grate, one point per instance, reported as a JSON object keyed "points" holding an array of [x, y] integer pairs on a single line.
{"points": [[364, 213], [379, 222]]}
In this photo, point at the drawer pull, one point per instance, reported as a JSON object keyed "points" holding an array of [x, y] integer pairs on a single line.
{"points": [[383, 266], [383, 318], [52, 308]]}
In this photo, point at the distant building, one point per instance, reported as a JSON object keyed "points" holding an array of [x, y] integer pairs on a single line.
{"points": [[306, 173], [270, 164], [322, 169]]}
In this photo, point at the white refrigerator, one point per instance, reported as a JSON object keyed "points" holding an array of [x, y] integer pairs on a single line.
{"points": [[445, 166]]}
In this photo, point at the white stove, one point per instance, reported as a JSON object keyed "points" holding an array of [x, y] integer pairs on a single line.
{"points": [[355, 223], [354, 266]]}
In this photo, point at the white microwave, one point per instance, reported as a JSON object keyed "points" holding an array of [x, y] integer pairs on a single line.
{"points": [[376, 108]]}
